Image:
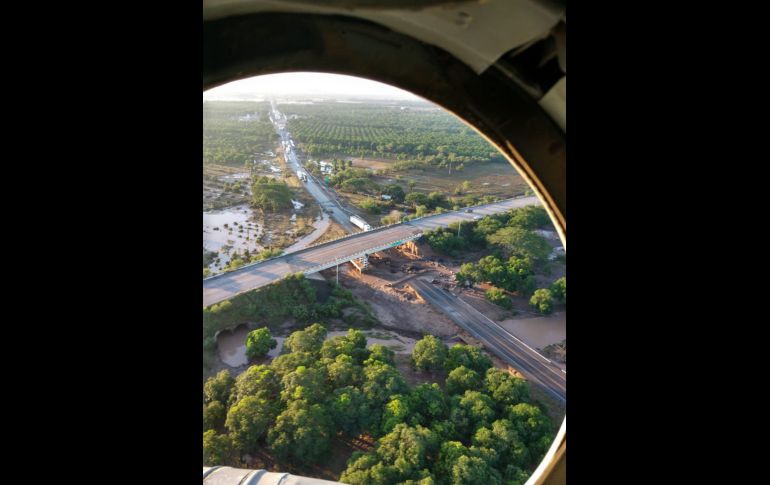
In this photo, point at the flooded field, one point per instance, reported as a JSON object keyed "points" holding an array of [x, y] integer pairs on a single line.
{"points": [[230, 229]]}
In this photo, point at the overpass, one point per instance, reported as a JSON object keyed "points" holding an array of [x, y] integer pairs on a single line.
{"points": [[332, 253]]}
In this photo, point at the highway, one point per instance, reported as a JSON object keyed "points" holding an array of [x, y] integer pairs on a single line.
{"points": [[327, 255], [531, 364], [325, 200]]}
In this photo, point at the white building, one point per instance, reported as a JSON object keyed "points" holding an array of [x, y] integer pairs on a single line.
{"points": [[326, 167]]}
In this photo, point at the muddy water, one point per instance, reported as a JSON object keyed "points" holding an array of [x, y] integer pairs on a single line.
{"points": [[538, 332], [232, 346], [216, 237]]}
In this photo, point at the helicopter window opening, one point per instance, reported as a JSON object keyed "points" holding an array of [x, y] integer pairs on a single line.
{"points": [[343, 219]]}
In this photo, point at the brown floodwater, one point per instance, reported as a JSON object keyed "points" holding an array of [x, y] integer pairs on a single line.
{"points": [[232, 346]]}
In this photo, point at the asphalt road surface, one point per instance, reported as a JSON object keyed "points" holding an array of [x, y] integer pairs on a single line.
{"points": [[530, 363], [327, 202], [227, 285]]}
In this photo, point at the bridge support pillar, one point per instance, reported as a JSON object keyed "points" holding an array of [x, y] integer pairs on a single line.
{"points": [[411, 248], [361, 264]]}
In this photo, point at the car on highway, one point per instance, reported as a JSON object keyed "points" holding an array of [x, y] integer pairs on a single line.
{"points": [[468, 209], [476, 218]]}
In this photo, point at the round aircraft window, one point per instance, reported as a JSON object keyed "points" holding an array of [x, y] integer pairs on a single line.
{"points": [[384, 293]]}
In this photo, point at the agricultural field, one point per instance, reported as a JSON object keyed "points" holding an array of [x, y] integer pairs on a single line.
{"points": [[413, 133], [376, 154], [235, 133]]}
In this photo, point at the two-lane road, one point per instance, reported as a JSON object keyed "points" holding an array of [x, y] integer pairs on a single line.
{"points": [[327, 202], [227, 285], [526, 360]]}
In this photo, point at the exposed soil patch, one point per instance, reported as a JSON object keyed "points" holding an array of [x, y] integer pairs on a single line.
{"points": [[396, 308]]}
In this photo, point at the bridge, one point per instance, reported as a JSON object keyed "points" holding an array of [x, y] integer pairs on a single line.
{"points": [[348, 248]]}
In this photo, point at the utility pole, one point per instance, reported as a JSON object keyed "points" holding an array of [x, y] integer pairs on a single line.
{"points": [[338, 275], [459, 225]]}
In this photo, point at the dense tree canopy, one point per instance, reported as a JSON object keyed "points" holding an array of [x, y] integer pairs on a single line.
{"points": [[248, 421], [219, 387], [308, 340], [271, 195], [216, 448], [258, 380], [301, 433], [517, 241], [482, 427], [429, 353], [462, 379], [468, 356]]}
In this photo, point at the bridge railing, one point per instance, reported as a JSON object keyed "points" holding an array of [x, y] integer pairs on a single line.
{"points": [[331, 241]]}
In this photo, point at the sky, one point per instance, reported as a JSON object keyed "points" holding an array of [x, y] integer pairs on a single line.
{"points": [[305, 84]]}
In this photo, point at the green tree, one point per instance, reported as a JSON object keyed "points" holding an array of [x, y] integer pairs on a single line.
{"points": [[428, 403], [542, 300], [343, 371], [504, 388], [380, 382], [367, 469], [468, 356], [499, 297], [462, 379], [472, 469], [258, 380], [529, 217], [308, 340], [259, 342], [302, 433], [416, 199], [559, 290], [407, 449], [521, 242], [533, 427], [271, 195], [429, 353], [352, 344], [398, 410], [248, 420], [380, 353], [471, 411], [350, 411], [504, 440], [437, 199], [370, 205], [214, 414], [219, 387], [216, 448], [396, 192], [283, 364], [307, 383]]}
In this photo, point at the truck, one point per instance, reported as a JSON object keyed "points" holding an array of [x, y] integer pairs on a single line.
{"points": [[360, 223], [302, 175]]}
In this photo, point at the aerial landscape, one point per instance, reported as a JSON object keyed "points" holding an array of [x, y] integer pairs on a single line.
{"points": [[384, 297]]}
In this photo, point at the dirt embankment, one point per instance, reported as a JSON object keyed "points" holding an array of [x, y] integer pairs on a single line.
{"points": [[393, 302]]}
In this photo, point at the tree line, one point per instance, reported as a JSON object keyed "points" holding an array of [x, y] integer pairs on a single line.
{"points": [[481, 427], [235, 132]]}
